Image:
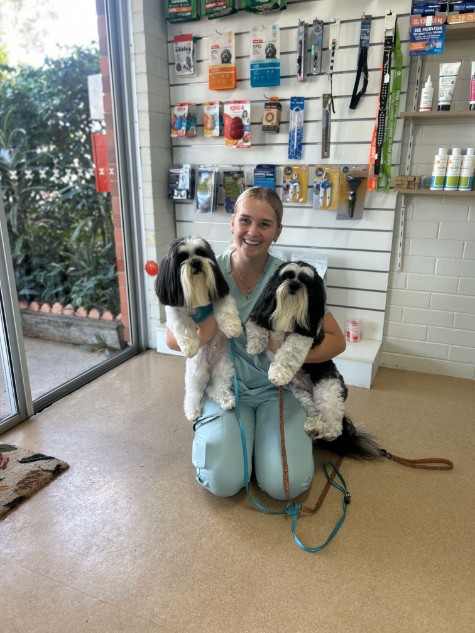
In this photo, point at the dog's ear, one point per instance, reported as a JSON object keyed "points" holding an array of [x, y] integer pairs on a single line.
{"points": [[222, 287], [167, 284], [317, 298], [267, 302]]}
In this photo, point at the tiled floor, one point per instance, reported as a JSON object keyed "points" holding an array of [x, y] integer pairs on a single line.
{"points": [[126, 540]]}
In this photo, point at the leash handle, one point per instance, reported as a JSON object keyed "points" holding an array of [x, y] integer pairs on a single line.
{"points": [[424, 463]]}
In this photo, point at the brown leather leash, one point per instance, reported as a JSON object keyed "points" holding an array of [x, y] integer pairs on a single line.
{"points": [[425, 463]]}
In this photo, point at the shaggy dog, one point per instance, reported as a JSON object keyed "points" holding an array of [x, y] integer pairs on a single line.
{"points": [[191, 286], [271, 51], [226, 56], [292, 308]]}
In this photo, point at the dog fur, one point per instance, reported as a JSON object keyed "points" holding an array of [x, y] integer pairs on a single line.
{"points": [[292, 308], [189, 278]]}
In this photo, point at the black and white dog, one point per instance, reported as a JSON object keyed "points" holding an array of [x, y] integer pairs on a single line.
{"points": [[191, 286], [292, 308]]}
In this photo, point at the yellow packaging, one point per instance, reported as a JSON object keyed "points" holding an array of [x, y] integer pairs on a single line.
{"points": [[295, 184], [326, 187]]}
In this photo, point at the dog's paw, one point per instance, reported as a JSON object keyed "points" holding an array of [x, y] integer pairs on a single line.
{"points": [[227, 402], [189, 347], [280, 375], [255, 347], [232, 328], [318, 430], [193, 412]]}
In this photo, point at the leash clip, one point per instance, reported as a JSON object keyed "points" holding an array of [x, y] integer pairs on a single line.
{"points": [[384, 453], [347, 497]]}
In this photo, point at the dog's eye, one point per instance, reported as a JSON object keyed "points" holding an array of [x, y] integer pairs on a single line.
{"points": [[200, 252], [182, 257], [288, 274], [303, 277]]}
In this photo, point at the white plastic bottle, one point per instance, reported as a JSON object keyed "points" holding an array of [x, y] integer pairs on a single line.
{"points": [[466, 171], [427, 95], [452, 174], [439, 168]]}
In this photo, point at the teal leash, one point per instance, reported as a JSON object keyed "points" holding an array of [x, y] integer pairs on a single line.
{"points": [[293, 508]]}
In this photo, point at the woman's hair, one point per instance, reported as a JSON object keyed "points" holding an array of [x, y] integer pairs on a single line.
{"points": [[265, 194]]}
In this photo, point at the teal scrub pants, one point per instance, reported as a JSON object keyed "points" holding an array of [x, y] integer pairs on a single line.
{"points": [[218, 453]]}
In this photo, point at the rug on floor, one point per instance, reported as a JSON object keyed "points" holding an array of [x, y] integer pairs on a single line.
{"points": [[22, 473]]}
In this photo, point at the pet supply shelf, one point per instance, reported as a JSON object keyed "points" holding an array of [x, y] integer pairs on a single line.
{"points": [[460, 31], [439, 115], [433, 192], [358, 363]]}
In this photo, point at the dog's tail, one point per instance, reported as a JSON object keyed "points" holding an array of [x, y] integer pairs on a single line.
{"points": [[353, 442]]}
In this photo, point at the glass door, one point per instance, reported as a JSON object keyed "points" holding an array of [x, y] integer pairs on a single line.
{"points": [[66, 213]]}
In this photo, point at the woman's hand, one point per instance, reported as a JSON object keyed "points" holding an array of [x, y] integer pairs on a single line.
{"points": [[207, 330], [333, 343]]}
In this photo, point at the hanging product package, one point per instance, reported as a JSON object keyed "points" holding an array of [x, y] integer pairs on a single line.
{"points": [[295, 184], [233, 185], [271, 116], [263, 6], [264, 176], [181, 10], [265, 56], [326, 183], [316, 45], [184, 120], [212, 119], [222, 66], [237, 124], [297, 105], [183, 47], [181, 182], [206, 189], [217, 8]]}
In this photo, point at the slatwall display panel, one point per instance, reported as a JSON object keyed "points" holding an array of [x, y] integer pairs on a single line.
{"points": [[359, 249]]}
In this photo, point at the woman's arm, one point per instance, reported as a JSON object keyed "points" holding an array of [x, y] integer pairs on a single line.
{"points": [[207, 330], [333, 342]]}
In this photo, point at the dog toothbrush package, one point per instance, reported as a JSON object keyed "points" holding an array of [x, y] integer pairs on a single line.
{"points": [[181, 10], [183, 47], [326, 185], [217, 8], [181, 182], [295, 184], [233, 185], [222, 66], [263, 6], [212, 119], [237, 124], [206, 189], [265, 56], [184, 120]]}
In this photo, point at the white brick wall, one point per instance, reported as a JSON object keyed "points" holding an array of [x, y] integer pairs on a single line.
{"points": [[430, 316]]}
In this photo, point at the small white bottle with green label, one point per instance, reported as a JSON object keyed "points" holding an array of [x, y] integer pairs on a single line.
{"points": [[439, 168], [466, 171], [454, 165]]}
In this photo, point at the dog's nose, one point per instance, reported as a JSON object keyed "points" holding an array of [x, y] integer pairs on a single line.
{"points": [[294, 287], [196, 267]]}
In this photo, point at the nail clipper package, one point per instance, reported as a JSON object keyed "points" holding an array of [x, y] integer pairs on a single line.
{"points": [[183, 46], [295, 184], [326, 187], [265, 56], [297, 105], [237, 124], [222, 65], [184, 120]]}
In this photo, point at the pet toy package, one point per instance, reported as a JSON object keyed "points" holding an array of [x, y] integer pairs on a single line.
{"points": [[297, 105], [184, 120], [271, 116], [206, 189], [233, 185], [217, 8], [181, 182], [181, 10], [326, 187], [183, 47], [222, 67], [265, 56], [264, 176], [263, 6], [237, 124], [212, 118], [295, 184]]}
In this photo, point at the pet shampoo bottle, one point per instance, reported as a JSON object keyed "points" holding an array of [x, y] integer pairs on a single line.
{"points": [[466, 171], [440, 167], [453, 170], [427, 95]]}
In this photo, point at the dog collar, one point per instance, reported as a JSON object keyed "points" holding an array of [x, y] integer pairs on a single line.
{"points": [[202, 313]]}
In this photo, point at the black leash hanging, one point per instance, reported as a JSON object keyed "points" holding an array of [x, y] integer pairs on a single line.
{"points": [[383, 96], [365, 33]]}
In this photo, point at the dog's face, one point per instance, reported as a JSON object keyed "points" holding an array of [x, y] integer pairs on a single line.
{"points": [[271, 51], [189, 275], [226, 56], [292, 301]]}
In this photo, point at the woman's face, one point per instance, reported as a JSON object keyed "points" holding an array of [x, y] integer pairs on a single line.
{"points": [[254, 227]]}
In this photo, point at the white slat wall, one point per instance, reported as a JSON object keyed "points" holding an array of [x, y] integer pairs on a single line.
{"points": [[358, 250]]}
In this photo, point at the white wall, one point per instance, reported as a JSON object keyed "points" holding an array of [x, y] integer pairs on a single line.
{"points": [[430, 318]]}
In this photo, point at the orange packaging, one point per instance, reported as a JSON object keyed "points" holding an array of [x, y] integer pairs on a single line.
{"points": [[222, 65]]}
